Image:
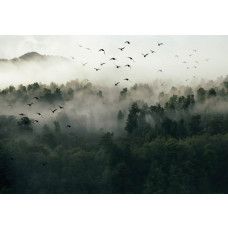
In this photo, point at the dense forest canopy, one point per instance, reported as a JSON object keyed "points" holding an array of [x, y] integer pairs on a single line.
{"points": [[83, 138]]}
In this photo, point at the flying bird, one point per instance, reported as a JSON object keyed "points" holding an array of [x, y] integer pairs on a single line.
{"points": [[80, 45], [131, 59], [160, 71], [102, 64], [145, 55], [113, 59], [30, 104], [36, 121], [195, 67], [21, 114], [184, 62], [83, 64], [121, 49], [127, 65], [36, 98], [127, 42], [88, 49], [38, 113], [190, 55], [102, 50], [68, 126], [207, 60], [53, 110], [127, 79], [159, 44], [116, 84], [152, 51], [44, 163], [117, 66], [194, 50], [61, 107], [97, 69], [176, 56]]}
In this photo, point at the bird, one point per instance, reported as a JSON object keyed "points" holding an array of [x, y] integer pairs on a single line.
{"points": [[176, 56], [88, 49], [30, 104], [21, 114], [117, 66], [207, 60], [131, 59], [38, 113], [194, 50], [97, 69], [36, 121], [54, 110], [145, 55], [72, 57], [68, 126], [113, 59], [44, 163], [83, 64], [121, 49], [102, 50], [127, 42], [102, 64], [127, 65], [190, 55], [152, 51], [159, 44], [61, 107], [116, 84], [184, 62], [36, 98], [127, 79], [195, 67], [160, 71], [80, 45]]}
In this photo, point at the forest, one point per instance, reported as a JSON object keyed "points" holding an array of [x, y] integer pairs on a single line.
{"points": [[80, 138]]}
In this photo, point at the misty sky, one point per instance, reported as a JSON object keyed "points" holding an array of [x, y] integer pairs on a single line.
{"points": [[214, 48]]}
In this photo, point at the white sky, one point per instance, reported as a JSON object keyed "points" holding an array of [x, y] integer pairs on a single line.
{"points": [[143, 70]]}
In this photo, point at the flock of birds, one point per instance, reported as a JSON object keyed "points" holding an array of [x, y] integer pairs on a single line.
{"points": [[144, 55]]}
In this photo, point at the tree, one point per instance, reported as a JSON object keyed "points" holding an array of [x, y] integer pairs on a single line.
{"points": [[195, 124], [201, 94], [132, 120]]}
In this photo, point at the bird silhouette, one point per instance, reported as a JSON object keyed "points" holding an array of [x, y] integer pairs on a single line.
{"points": [[159, 44], [72, 57], [113, 59], [176, 56], [127, 79], [53, 111], [152, 51], [61, 107], [97, 69], [69, 126], [207, 60], [21, 114], [131, 59], [184, 62], [80, 45], [195, 67], [102, 50], [160, 71], [44, 163], [36, 121], [121, 49], [194, 50], [83, 64], [30, 104], [38, 113], [37, 98], [88, 49], [127, 65], [117, 66], [102, 64], [145, 55], [127, 42], [117, 83]]}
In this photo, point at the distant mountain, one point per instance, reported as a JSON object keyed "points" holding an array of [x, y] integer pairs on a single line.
{"points": [[34, 56]]}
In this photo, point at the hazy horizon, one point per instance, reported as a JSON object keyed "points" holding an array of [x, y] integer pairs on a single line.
{"points": [[143, 70]]}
